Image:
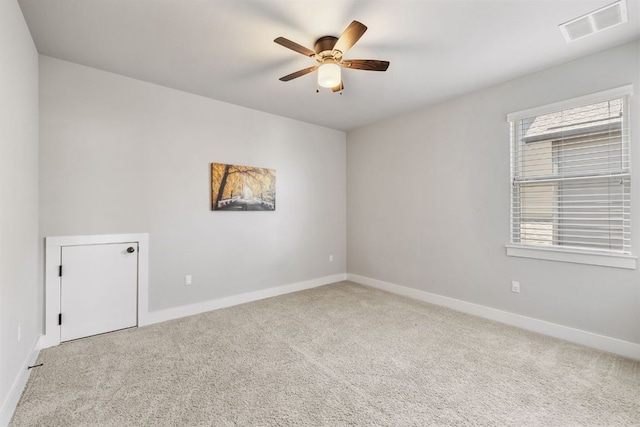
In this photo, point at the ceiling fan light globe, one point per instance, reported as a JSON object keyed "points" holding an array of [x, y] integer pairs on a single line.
{"points": [[329, 75]]}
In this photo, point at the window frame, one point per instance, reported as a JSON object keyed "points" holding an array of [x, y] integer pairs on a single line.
{"points": [[555, 253]]}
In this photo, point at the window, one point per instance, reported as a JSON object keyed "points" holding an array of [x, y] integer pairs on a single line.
{"points": [[570, 176]]}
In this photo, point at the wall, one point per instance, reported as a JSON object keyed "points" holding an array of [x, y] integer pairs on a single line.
{"points": [[428, 203], [123, 156], [20, 282]]}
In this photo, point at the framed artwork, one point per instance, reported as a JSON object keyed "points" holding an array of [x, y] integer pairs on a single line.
{"points": [[242, 188]]}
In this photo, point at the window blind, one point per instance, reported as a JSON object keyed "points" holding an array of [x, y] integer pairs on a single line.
{"points": [[570, 172]]}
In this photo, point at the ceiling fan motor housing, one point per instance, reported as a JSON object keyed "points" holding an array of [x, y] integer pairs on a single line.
{"points": [[324, 48]]}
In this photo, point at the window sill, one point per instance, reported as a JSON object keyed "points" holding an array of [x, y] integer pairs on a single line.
{"points": [[573, 256]]}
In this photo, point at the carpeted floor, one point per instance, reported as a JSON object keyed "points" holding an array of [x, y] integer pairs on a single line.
{"points": [[338, 355]]}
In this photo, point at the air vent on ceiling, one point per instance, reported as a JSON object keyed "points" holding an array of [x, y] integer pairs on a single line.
{"points": [[593, 22]]}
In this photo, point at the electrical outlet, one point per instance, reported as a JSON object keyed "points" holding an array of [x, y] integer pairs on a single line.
{"points": [[515, 287], [19, 332], [330, 258], [187, 280]]}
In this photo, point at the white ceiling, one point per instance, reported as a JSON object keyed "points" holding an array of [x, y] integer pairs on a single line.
{"points": [[224, 49]]}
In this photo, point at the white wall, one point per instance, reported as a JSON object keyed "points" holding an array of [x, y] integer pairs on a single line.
{"points": [[120, 155], [20, 282], [428, 203]]}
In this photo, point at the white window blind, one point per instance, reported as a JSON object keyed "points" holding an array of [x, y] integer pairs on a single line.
{"points": [[570, 176]]}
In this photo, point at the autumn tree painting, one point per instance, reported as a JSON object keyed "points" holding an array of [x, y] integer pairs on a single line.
{"points": [[242, 188]]}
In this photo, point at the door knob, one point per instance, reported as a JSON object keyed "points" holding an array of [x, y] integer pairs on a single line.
{"points": [[130, 249]]}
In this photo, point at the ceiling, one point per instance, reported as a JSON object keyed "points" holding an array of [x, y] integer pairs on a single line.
{"points": [[224, 49]]}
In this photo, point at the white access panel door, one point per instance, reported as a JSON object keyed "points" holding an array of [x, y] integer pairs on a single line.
{"points": [[98, 289]]}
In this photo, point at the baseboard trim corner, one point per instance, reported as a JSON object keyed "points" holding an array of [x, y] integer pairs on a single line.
{"points": [[578, 336], [10, 403], [216, 304]]}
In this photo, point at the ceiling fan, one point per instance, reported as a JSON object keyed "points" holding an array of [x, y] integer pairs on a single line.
{"points": [[328, 52]]}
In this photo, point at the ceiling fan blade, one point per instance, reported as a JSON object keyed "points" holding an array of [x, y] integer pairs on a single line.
{"points": [[294, 46], [338, 88], [298, 74], [365, 64], [350, 36]]}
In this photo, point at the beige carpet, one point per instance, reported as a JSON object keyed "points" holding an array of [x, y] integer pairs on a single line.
{"points": [[338, 355]]}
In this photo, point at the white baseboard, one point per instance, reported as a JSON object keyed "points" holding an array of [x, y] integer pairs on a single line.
{"points": [[201, 307], [600, 342], [10, 403]]}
